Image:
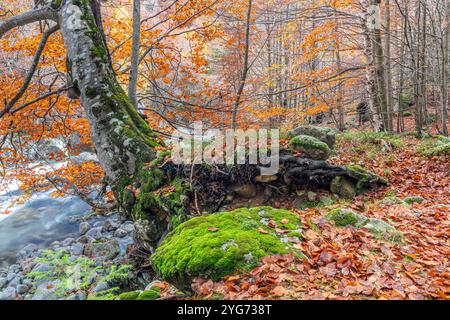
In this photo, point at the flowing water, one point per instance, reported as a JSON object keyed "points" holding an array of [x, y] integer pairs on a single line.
{"points": [[41, 221]]}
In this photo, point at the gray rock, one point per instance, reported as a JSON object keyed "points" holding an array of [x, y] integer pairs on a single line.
{"points": [[98, 224], [101, 286], [109, 225], [103, 251], [14, 268], [42, 267], [84, 227], [47, 291], [77, 249], [55, 244], [30, 248], [85, 239], [95, 233], [14, 282], [77, 296], [247, 191], [8, 293], [343, 187], [3, 282], [120, 233], [28, 282], [383, 230], [128, 227], [67, 242], [22, 288]]}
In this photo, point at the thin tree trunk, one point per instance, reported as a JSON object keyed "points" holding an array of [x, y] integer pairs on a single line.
{"points": [[136, 44], [245, 66], [378, 54], [445, 73], [388, 67]]}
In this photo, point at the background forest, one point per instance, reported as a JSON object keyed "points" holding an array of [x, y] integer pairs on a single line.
{"points": [[92, 91]]}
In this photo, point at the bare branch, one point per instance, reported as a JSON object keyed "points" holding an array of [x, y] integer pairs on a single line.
{"points": [[44, 13], [32, 70]]}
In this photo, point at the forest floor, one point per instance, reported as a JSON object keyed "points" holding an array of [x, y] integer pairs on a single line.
{"points": [[346, 263]]}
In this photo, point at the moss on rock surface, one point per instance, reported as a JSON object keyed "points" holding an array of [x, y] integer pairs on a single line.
{"points": [[365, 179], [219, 244], [324, 134], [311, 147], [151, 294], [378, 228], [411, 200]]}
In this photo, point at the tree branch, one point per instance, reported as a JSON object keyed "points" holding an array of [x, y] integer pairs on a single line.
{"points": [[31, 71], [44, 13]]}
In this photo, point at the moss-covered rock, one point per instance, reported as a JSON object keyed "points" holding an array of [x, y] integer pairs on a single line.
{"points": [[346, 217], [132, 295], [326, 135], [364, 178], [216, 245], [378, 228], [393, 201], [411, 200], [343, 187], [312, 147], [151, 294]]}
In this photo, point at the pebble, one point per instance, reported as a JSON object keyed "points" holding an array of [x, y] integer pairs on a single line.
{"points": [[101, 286], [120, 233], [95, 233], [115, 235], [84, 227], [22, 288], [77, 249], [8, 294]]}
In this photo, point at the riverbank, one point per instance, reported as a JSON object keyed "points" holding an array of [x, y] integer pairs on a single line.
{"points": [[90, 265]]}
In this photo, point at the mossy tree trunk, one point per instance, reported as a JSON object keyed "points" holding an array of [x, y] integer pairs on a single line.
{"points": [[123, 141]]}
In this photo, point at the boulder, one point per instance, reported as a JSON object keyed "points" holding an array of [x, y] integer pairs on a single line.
{"points": [[247, 191], [325, 135], [216, 245], [84, 227], [411, 200], [378, 228], [343, 187], [102, 251], [311, 147], [8, 293], [364, 178]]}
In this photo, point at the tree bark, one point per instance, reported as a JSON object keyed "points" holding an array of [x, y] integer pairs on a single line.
{"points": [[136, 45], [244, 68], [445, 73]]}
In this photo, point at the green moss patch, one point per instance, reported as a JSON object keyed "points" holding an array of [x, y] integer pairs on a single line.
{"points": [[365, 179], [311, 147], [434, 146], [378, 228], [219, 244]]}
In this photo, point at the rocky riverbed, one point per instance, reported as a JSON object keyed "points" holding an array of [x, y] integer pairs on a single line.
{"points": [[90, 265]]}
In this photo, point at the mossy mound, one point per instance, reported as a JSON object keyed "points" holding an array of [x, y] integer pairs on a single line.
{"points": [[312, 147], [393, 201], [326, 135], [411, 200], [151, 294], [378, 228], [365, 179], [343, 187], [219, 244], [434, 146]]}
